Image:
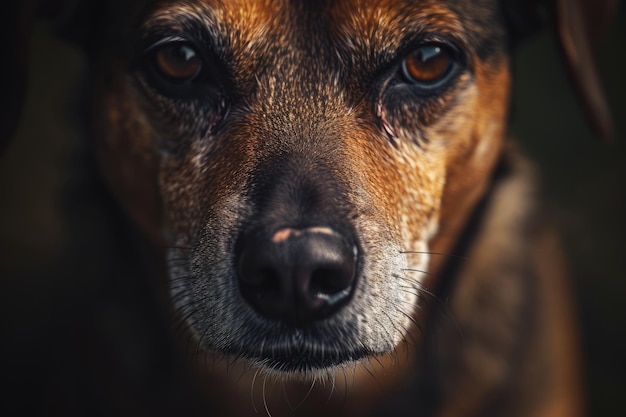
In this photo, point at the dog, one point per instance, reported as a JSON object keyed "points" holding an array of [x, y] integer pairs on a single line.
{"points": [[347, 229]]}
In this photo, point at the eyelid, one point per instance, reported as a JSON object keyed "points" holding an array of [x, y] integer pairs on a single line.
{"points": [[168, 40], [454, 44]]}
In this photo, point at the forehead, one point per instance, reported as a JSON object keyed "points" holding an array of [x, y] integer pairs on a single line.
{"points": [[382, 25]]}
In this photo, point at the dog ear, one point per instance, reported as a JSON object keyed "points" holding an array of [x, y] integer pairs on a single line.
{"points": [[576, 24]]}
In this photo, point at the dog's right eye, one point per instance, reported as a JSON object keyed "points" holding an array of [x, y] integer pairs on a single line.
{"points": [[177, 62]]}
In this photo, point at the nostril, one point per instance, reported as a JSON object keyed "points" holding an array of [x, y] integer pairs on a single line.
{"points": [[331, 279], [330, 285], [326, 281]]}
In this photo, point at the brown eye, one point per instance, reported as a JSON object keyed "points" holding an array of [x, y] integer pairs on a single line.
{"points": [[428, 65], [178, 62]]}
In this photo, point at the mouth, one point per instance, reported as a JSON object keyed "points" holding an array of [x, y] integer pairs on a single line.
{"points": [[301, 354]]}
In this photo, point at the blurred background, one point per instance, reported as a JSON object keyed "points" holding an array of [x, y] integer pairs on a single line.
{"points": [[584, 180], [54, 285]]}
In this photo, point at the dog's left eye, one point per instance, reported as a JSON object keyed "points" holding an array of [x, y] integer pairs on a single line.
{"points": [[430, 66]]}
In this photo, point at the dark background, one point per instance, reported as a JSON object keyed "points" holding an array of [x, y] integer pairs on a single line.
{"points": [[584, 183], [584, 179]]}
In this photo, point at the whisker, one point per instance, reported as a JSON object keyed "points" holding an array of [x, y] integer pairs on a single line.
{"points": [[417, 326], [332, 388], [450, 255], [246, 368], [286, 397], [442, 306], [186, 312], [422, 288], [377, 359], [417, 270], [306, 397], [372, 374], [267, 410], [345, 388], [252, 390], [179, 296]]}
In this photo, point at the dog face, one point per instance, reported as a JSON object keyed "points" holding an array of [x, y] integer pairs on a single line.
{"points": [[300, 160]]}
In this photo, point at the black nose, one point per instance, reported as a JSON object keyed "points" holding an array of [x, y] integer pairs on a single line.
{"points": [[297, 276]]}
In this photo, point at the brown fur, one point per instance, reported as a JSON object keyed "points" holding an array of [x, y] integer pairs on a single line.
{"points": [[424, 181], [412, 188], [415, 187]]}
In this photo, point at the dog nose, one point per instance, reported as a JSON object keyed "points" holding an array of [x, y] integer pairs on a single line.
{"points": [[298, 276]]}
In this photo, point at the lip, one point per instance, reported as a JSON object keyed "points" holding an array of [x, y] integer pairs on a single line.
{"points": [[303, 355], [305, 362]]}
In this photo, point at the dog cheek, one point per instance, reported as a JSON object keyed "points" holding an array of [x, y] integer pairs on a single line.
{"points": [[126, 152], [399, 190], [474, 151], [423, 180], [405, 183], [196, 185]]}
